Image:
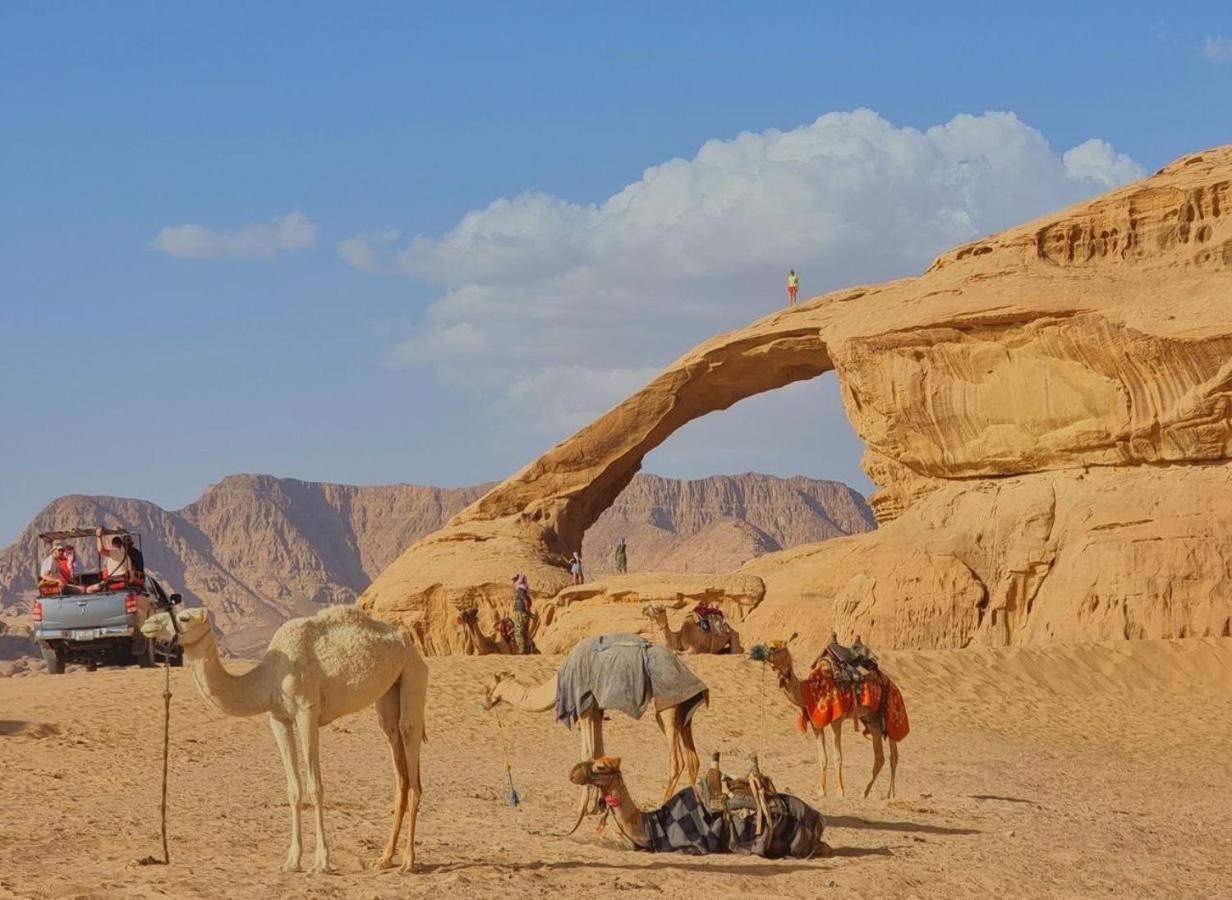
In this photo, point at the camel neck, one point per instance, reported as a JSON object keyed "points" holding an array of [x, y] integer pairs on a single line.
{"points": [[235, 695], [790, 686], [629, 815], [536, 699]]}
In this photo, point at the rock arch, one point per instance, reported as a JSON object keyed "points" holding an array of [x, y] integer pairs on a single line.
{"points": [[1096, 337]]}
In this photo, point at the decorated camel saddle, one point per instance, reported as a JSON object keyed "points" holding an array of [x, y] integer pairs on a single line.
{"points": [[710, 619], [721, 815], [846, 679]]}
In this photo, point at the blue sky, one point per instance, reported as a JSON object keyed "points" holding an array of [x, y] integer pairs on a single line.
{"points": [[542, 204]]}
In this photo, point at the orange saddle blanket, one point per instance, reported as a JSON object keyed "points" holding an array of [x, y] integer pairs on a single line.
{"points": [[825, 701]]}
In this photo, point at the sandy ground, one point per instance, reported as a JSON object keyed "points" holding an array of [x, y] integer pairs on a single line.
{"points": [[1098, 770]]}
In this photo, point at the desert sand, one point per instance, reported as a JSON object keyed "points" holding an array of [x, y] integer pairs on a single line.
{"points": [[1064, 770]]}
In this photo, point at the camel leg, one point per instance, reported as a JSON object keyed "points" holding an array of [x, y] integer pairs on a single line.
{"points": [[669, 725], [893, 766], [290, 764], [413, 693], [837, 728], [878, 757], [690, 750], [823, 758], [591, 725], [387, 711], [308, 730]]}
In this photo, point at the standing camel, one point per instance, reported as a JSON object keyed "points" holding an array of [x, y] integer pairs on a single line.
{"points": [[875, 701], [691, 638], [316, 670], [616, 671]]}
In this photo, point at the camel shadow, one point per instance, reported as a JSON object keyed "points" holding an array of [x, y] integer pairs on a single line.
{"points": [[751, 868], [1003, 799], [911, 827], [15, 727]]}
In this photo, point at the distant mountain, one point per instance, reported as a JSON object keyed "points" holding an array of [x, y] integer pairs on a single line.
{"points": [[258, 550]]}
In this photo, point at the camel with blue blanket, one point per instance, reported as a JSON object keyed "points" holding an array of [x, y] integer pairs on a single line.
{"points": [[625, 672]]}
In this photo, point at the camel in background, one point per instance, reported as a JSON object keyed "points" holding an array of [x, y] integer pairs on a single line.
{"points": [[316, 670], [476, 643], [718, 637], [874, 701]]}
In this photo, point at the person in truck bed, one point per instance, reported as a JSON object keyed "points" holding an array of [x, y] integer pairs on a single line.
{"points": [[113, 557], [58, 574], [136, 559]]}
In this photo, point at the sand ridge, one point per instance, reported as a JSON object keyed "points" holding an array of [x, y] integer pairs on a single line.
{"points": [[1070, 770]]}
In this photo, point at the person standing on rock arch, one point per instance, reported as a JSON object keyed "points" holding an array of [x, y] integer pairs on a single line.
{"points": [[793, 286], [622, 557], [575, 568]]}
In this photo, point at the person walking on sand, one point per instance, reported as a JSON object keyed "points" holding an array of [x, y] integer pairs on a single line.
{"points": [[575, 568], [793, 286], [622, 559]]}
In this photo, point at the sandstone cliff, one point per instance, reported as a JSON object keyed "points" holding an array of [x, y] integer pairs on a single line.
{"points": [[1095, 342], [257, 550]]}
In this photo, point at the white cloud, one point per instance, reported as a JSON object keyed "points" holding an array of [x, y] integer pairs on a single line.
{"points": [[1218, 49], [294, 231], [552, 310], [362, 251], [1097, 162]]}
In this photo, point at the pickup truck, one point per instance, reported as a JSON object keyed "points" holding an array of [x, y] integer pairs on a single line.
{"points": [[101, 627]]}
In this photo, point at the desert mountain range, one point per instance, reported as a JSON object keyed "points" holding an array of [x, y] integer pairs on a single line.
{"points": [[257, 549]]}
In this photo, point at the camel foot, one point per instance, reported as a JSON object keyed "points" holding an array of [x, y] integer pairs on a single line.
{"points": [[322, 867], [408, 867], [385, 862], [291, 865]]}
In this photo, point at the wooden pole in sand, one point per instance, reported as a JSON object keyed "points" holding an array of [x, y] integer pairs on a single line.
{"points": [[166, 749]]}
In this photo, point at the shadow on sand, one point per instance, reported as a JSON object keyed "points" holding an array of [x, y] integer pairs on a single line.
{"points": [[910, 827]]}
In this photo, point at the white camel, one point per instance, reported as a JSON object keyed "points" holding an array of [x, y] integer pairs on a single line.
{"points": [[316, 670]]}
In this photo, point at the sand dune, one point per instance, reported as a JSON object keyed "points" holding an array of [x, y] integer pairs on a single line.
{"points": [[1069, 770]]}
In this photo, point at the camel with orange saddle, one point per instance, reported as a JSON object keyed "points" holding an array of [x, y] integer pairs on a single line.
{"points": [[843, 683]]}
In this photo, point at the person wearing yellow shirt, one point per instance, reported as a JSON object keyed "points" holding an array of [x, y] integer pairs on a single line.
{"points": [[793, 287]]}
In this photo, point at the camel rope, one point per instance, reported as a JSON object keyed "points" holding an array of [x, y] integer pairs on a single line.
{"points": [[500, 732]]}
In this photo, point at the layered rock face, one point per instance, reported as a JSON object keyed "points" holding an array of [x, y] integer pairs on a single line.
{"points": [[1019, 401]]}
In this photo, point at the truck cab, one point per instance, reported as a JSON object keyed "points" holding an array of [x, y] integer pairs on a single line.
{"points": [[88, 615]]}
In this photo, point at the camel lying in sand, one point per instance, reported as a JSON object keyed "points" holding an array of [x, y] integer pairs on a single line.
{"points": [[755, 821], [876, 703], [599, 674], [692, 638], [316, 670], [476, 643]]}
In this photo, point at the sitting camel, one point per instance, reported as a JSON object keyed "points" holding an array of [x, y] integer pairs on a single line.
{"points": [[747, 820], [716, 637], [616, 671], [874, 701], [476, 643], [316, 670]]}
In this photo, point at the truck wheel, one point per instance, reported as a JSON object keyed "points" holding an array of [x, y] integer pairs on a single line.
{"points": [[55, 662], [145, 654]]}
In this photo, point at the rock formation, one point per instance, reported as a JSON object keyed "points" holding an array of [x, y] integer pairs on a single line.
{"points": [[1047, 418], [257, 550]]}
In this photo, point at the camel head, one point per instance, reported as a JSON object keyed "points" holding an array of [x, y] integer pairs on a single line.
{"points": [[602, 772], [656, 612], [194, 624], [492, 695], [776, 654]]}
